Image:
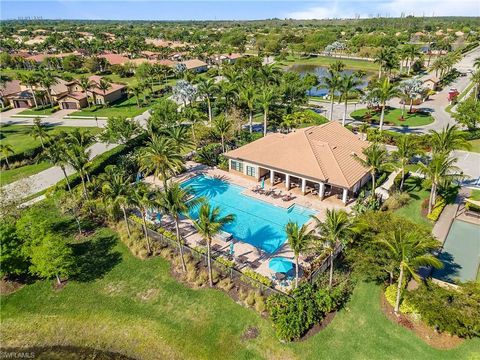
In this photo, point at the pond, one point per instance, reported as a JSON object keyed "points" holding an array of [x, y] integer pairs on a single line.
{"points": [[321, 72]]}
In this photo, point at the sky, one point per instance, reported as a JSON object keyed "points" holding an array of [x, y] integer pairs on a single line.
{"points": [[232, 10]]}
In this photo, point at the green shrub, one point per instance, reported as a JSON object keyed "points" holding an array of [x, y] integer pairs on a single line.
{"points": [[224, 261], [437, 209], [456, 311], [406, 306], [250, 274], [225, 284], [396, 201]]}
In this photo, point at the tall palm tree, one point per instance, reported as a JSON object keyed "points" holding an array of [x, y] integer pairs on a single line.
{"points": [[208, 89], [117, 191], [192, 116], [86, 85], [78, 157], [413, 52], [441, 170], [209, 224], [410, 252], [476, 83], [384, 91], [332, 82], [265, 99], [47, 80], [299, 239], [55, 154], [222, 126], [136, 90], [248, 97], [161, 156], [104, 85], [6, 150], [180, 137], [177, 201], [141, 198], [448, 139], [348, 84], [406, 149], [383, 58], [376, 159], [334, 231], [30, 80], [80, 137], [38, 131]]}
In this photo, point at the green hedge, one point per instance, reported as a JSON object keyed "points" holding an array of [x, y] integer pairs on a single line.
{"points": [[437, 209]]}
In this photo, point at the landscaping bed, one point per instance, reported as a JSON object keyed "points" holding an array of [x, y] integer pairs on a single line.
{"points": [[393, 117]]}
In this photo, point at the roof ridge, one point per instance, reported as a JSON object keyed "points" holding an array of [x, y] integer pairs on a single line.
{"points": [[320, 164]]}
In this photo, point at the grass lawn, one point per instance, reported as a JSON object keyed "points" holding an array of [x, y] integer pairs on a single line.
{"points": [[127, 108], [9, 176], [35, 112], [135, 307], [475, 145], [392, 117], [413, 210], [19, 136], [475, 195], [326, 61]]}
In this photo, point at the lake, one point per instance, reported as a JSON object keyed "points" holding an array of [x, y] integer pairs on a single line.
{"points": [[321, 72]]}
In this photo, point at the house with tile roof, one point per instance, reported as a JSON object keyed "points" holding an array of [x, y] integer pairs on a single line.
{"points": [[319, 159]]}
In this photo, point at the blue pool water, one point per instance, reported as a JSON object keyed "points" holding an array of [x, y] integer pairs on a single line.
{"points": [[256, 222]]}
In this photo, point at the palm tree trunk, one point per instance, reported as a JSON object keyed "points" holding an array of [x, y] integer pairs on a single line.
{"points": [[411, 106], [403, 107], [403, 178], [66, 178], [332, 100], [223, 143], [126, 221], [330, 280], [250, 120], [399, 290], [382, 116], [58, 279], [84, 186], [149, 250], [180, 247], [296, 271], [380, 72], [265, 123], [209, 105], [6, 160], [34, 97], [209, 264], [373, 181], [345, 111]]}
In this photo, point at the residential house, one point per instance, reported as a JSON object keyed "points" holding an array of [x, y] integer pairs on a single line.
{"points": [[195, 65]]}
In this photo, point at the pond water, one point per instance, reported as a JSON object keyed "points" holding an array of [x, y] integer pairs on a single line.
{"points": [[321, 72]]}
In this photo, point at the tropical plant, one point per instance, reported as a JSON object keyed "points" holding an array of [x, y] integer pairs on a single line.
{"points": [[410, 253], [38, 131], [333, 232], [30, 80], [208, 224], [104, 85], [266, 98], [120, 129], [384, 91], [136, 91], [141, 198], [47, 80], [406, 149], [208, 88], [332, 82], [55, 154], [375, 159], [348, 84], [385, 58], [299, 239], [6, 150], [86, 85], [248, 96], [78, 157], [176, 201], [448, 139], [409, 90], [222, 126]]}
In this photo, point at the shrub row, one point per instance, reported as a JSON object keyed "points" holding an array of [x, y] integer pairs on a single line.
{"points": [[250, 274], [437, 209]]}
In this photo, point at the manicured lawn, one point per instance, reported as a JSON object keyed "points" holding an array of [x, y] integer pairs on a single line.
{"points": [[127, 108], [475, 145], [35, 112], [413, 210], [392, 117], [19, 136], [475, 195], [9, 176], [325, 61], [135, 307]]}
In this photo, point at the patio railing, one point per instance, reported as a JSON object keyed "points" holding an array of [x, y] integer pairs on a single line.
{"points": [[232, 272], [325, 264]]}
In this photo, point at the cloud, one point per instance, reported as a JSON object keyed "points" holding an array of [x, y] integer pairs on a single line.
{"points": [[352, 9]]}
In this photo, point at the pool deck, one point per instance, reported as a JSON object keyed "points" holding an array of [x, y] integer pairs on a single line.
{"points": [[249, 253]]}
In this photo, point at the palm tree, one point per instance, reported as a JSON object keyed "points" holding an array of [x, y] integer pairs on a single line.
{"points": [[348, 84], [208, 89], [176, 201], [476, 83], [117, 191], [55, 154], [78, 157], [30, 80], [410, 252], [47, 80], [38, 131], [209, 224], [412, 52], [222, 126], [441, 170], [6, 149], [248, 96], [448, 139], [383, 58], [266, 98], [141, 198], [376, 159], [406, 149], [334, 231], [161, 156], [136, 90], [384, 92], [476, 63], [180, 138], [332, 83], [86, 85], [299, 239], [104, 85], [192, 116]]}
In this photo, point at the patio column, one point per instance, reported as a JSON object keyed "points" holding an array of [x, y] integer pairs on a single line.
{"points": [[287, 181], [344, 197], [304, 185], [272, 177], [321, 190]]}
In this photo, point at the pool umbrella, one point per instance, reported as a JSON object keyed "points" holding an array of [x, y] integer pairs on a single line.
{"points": [[231, 248], [263, 183], [281, 265]]}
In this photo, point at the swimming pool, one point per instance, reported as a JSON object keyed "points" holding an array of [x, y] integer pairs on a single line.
{"points": [[256, 222], [460, 254]]}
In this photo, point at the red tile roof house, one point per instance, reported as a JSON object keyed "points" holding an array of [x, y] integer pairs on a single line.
{"points": [[9, 89], [115, 59], [226, 58], [320, 158], [114, 93], [73, 100], [195, 65]]}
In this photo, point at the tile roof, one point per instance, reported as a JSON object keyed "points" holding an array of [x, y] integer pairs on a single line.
{"points": [[324, 153], [115, 59], [194, 63], [10, 87]]}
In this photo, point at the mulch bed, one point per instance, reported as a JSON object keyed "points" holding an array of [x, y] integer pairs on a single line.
{"points": [[319, 326], [442, 341]]}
